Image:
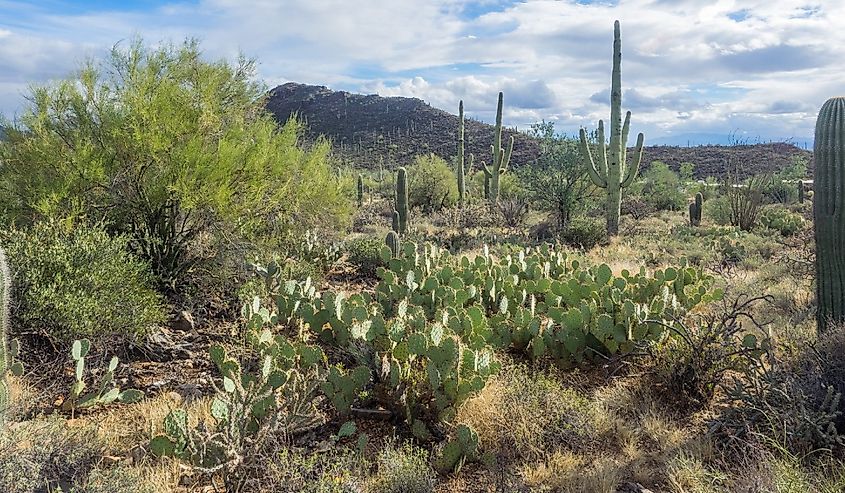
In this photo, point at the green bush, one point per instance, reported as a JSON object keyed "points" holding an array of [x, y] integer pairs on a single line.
{"points": [[79, 282], [717, 210], [661, 188], [433, 185], [782, 220], [365, 255], [585, 233]]}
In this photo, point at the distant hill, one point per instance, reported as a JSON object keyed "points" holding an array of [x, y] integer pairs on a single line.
{"points": [[366, 129]]}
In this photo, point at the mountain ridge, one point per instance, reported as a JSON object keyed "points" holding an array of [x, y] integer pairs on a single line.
{"points": [[368, 129]]}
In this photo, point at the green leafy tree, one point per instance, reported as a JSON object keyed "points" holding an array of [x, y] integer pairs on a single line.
{"points": [[167, 147], [661, 187], [433, 184], [557, 181]]}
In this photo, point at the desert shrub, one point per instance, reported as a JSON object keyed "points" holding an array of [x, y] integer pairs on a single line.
{"points": [[77, 281], [717, 210], [583, 232], [514, 211], [777, 191], [477, 214], [636, 207], [165, 147], [44, 454], [510, 186], [796, 402], [432, 184], [781, 220], [291, 471], [403, 469], [365, 255], [119, 479], [371, 214], [745, 200], [692, 365], [661, 188]]}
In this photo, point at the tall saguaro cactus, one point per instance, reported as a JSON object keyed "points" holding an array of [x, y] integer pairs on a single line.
{"points": [[463, 166], [611, 170], [501, 158], [360, 190], [829, 213], [8, 350], [402, 199]]}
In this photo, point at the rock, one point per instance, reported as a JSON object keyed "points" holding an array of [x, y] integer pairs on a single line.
{"points": [[184, 322]]}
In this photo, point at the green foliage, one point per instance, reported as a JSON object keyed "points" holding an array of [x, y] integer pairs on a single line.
{"points": [[661, 188], [104, 392], [557, 182], [718, 210], [613, 172], [686, 171], [782, 220], [77, 281], [584, 232], [433, 184], [365, 255], [162, 145]]}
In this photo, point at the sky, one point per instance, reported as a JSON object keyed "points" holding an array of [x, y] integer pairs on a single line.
{"points": [[754, 70]]}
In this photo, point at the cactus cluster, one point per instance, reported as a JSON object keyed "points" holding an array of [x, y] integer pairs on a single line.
{"points": [[500, 158], [695, 209], [610, 168], [8, 349], [829, 213]]}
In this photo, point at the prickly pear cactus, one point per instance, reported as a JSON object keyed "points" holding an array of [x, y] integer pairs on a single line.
{"points": [[829, 213]]}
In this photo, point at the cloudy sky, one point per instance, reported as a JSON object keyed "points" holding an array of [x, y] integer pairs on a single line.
{"points": [[757, 69]]}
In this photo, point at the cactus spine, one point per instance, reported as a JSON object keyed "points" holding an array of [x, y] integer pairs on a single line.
{"points": [[800, 191], [501, 158], [612, 171], [463, 167], [829, 213], [695, 210], [360, 190], [402, 199]]}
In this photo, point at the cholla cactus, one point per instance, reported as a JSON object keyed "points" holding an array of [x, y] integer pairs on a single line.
{"points": [[612, 171]]}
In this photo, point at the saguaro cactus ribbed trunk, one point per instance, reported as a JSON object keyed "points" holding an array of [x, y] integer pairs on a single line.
{"points": [[7, 350], [501, 158], [402, 199], [829, 213], [462, 166], [611, 170]]}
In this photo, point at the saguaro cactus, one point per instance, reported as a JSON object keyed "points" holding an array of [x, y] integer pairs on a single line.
{"points": [[463, 166], [800, 191], [611, 170], [360, 190], [829, 213], [501, 158], [394, 243], [402, 199], [695, 210], [8, 349]]}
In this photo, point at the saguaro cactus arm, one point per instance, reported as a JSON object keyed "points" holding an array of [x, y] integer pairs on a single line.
{"points": [[597, 171], [633, 168]]}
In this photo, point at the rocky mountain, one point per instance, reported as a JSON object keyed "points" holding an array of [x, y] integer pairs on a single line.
{"points": [[368, 129]]}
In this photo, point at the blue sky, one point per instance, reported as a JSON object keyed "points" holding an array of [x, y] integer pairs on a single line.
{"points": [[756, 68]]}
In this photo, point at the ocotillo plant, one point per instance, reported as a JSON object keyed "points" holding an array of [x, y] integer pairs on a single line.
{"points": [[463, 167], [360, 190], [611, 170], [8, 350], [402, 199], [829, 213], [501, 158], [800, 191], [695, 210]]}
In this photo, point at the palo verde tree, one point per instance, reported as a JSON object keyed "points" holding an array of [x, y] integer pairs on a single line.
{"points": [[168, 147], [611, 170]]}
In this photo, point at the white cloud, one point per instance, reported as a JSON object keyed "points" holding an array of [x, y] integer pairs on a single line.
{"points": [[689, 65]]}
